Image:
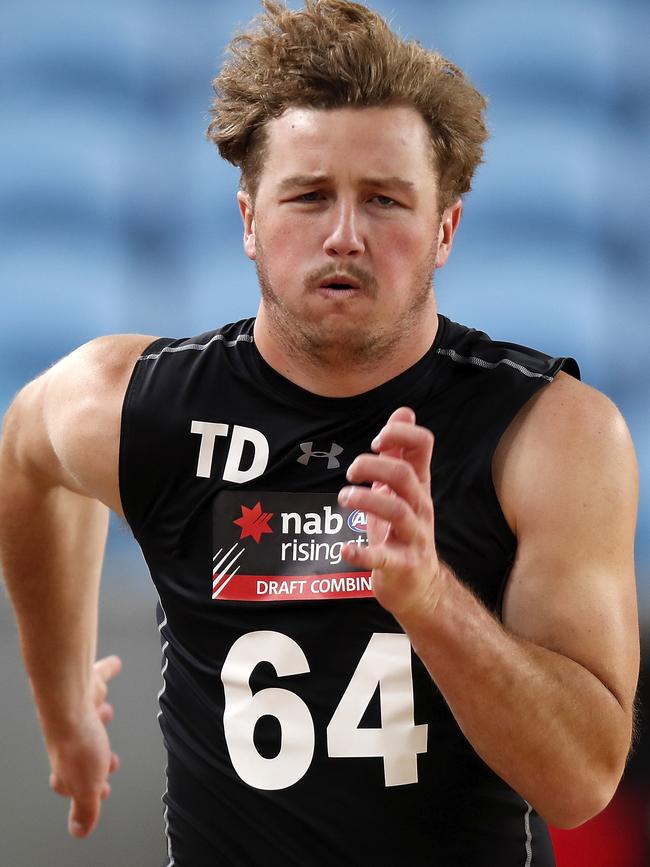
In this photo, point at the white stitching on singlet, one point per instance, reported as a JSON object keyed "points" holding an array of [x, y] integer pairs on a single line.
{"points": [[170, 855], [165, 658], [199, 346], [490, 365], [529, 836]]}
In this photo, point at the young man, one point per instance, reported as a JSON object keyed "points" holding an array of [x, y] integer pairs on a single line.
{"points": [[378, 648]]}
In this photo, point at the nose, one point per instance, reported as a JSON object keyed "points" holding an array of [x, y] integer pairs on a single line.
{"points": [[345, 237]]}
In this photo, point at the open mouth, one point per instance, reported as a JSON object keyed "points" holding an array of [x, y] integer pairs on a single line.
{"points": [[340, 284]]}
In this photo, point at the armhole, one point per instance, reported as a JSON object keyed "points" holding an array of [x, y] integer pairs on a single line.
{"points": [[150, 352]]}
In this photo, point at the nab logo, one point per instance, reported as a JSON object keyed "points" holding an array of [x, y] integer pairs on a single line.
{"points": [[333, 462], [254, 522], [358, 521]]}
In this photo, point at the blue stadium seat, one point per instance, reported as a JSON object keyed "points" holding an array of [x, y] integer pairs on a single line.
{"points": [[557, 44], [555, 165], [61, 289], [222, 287], [65, 154], [553, 298]]}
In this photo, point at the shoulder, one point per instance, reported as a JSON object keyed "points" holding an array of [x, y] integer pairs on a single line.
{"points": [[64, 425], [570, 407], [110, 358], [87, 380], [568, 440]]}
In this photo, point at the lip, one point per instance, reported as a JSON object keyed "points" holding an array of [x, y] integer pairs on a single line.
{"points": [[352, 286], [340, 294]]}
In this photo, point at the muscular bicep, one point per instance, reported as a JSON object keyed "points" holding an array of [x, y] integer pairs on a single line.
{"points": [[64, 427], [566, 475]]}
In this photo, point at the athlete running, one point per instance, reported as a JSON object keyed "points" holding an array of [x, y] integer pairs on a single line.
{"points": [[394, 558]]}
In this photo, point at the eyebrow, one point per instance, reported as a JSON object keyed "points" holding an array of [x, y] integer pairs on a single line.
{"points": [[391, 181], [294, 181]]}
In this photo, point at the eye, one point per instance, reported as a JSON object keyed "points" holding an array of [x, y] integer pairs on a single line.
{"points": [[313, 196], [384, 201]]}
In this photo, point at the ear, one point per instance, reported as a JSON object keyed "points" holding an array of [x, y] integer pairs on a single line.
{"points": [[248, 219], [448, 225]]}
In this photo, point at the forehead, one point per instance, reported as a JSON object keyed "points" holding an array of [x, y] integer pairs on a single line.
{"points": [[392, 140]]}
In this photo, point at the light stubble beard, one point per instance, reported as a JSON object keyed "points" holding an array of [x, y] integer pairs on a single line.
{"points": [[361, 346]]}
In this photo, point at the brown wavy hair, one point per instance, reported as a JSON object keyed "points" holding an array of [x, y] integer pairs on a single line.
{"points": [[337, 54]]}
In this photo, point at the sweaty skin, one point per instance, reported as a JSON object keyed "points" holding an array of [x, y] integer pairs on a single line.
{"points": [[545, 695]]}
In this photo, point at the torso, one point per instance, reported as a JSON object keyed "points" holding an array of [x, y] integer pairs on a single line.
{"points": [[227, 466]]}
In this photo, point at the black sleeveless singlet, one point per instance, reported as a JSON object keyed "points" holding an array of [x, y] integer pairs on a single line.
{"points": [[301, 729]]}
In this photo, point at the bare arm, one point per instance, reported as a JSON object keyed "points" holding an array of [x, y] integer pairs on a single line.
{"points": [[546, 697], [58, 476]]}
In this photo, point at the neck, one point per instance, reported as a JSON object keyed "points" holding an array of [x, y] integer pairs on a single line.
{"points": [[331, 374]]}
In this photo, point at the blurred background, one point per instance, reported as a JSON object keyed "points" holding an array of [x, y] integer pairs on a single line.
{"points": [[117, 216]]}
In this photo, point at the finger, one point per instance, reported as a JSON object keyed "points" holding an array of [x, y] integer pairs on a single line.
{"points": [[105, 712], [100, 691], [401, 435], [114, 763], [84, 812], [105, 792], [404, 413], [370, 557], [415, 445], [57, 786], [397, 473], [108, 667], [376, 502]]}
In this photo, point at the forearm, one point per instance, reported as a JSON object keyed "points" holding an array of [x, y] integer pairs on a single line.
{"points": [[541, 721], [51, 548]]}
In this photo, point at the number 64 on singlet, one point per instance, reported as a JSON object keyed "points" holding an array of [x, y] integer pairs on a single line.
{"points": [[386, 662]]}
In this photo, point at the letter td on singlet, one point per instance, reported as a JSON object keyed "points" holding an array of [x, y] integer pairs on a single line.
{"points": [[233, 471]]}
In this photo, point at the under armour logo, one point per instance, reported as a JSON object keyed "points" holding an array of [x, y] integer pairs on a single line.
{"points": [[332, 461]]}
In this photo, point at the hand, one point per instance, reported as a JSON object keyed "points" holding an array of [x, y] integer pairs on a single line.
{"points": [[401, 550], [83, 762]]}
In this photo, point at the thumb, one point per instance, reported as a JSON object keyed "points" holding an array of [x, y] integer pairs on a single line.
{"points": [[84, 812]]}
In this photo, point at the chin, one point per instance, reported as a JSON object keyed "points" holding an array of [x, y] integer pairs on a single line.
{"points": [[347, 343]]}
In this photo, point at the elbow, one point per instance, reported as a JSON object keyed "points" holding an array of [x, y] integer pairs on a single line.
{"points": [[581, 801], [570, 816], [584, 790]]}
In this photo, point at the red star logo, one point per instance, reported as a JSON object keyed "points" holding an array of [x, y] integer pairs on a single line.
{"points": [[254, 522]]}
